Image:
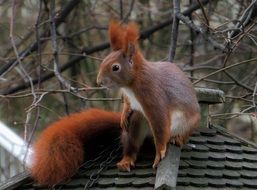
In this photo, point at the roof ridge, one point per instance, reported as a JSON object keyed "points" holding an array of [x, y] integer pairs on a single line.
{"points": [[241, 139]]}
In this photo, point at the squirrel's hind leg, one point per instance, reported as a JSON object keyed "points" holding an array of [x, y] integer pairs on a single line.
{"points": [[132, 138]]}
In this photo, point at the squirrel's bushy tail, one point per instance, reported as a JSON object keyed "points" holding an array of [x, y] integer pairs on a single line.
{"points": [[63, 146]]}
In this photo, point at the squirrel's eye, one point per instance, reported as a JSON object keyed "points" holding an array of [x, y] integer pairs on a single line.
{"points": [[115, 67]]}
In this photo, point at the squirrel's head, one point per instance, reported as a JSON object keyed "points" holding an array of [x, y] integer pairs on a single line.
{"points": [[118, 68]]}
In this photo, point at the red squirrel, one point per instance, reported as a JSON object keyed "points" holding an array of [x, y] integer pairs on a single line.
{"points": [[159, 91], [60, 149]]}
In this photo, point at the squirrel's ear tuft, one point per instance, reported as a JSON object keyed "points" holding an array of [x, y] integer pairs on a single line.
{"points": [[131, 38], [116, 35]]}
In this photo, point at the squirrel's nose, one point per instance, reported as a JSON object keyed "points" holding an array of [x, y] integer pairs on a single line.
{"points": [[99, 81]]}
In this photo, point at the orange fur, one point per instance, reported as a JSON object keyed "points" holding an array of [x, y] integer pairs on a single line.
{"points": [[122, 36], [131, 38], [59, 151], [131, 35], [116, 35]]}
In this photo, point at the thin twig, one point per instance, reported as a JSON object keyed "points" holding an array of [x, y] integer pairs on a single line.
{"points": [[242, 21], [204, 14], [225, 68], [55, 48], [29, 114], [41, 91], [121, 10], [33, 47], [174, 33], [131, 6], [237, 81], [192, 44], [253, 99], [37, 114]]}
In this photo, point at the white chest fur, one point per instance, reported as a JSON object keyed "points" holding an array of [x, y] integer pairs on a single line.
{"points": [[134, 103], [179, 124]]}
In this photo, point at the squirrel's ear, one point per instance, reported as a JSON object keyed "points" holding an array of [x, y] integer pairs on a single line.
{"points": [[131, 37], [116, 35], [131, 49]]}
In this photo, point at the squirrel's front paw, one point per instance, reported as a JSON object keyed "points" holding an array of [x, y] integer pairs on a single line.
{"points": [[126, 163], [178, 140], [159, 156]]}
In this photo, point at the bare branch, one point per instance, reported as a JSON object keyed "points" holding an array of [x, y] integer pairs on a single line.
{"points": [[33, 47], [225, 68], [174, 33], [198, 29], [253, 99], [144, 34], [28, 117], [55, 48], [204, 14]]}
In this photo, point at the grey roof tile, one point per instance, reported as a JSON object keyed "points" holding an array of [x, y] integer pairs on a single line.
{"points": [[195, 133], [216, 148], [196, 164], [248, 174], [142, 182], [199, 173], [187, 147], [216, 182], [214, 173], [182, 173], [126, 174], [249, 150], [183, 164], [149, 172], [233, 149], [215, 140], [230, 141], [123, 182], [200, 183], [233, 165], [250, 183], [143, 164], [199, 156], [197, 140], [230, 174], [234, 183], [215, 165], [200, 148], [214, 156], [184, 181], [234, 157], [249, 166], [209, 132], [185, 155], [249, 157], [110, 173], [106, 182]]}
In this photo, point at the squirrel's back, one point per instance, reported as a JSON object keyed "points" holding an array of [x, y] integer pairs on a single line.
{"points": [[172, 83]]}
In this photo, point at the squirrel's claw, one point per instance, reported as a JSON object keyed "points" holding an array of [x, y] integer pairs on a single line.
{"points": [[159, 156], [125, 164]]}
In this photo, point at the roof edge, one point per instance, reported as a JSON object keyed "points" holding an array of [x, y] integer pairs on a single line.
{"points": [[15, 181], [224, 130]]}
